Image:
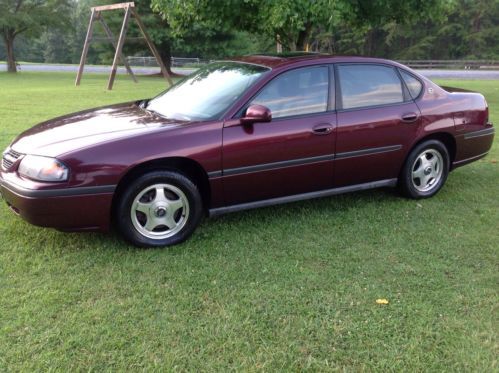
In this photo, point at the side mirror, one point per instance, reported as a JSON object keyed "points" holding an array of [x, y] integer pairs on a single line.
{"points": [[256, 113]]}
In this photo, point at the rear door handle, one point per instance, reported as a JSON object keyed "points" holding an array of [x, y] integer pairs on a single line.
{"points": [[409, 117], [322, 129]]}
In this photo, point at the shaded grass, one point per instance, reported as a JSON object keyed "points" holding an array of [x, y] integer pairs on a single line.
{"points": [[280, 288]]}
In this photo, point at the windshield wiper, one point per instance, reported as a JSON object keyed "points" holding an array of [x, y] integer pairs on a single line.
{"points": [[143, 103], [155, 112]]}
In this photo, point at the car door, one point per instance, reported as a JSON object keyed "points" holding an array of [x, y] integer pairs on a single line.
{"points": [[377, 121], [294, 152]]}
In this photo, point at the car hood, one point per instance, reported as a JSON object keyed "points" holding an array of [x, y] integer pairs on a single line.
{"points": [[79, 130]]}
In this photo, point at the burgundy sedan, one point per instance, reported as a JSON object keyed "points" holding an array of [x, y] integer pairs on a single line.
{"points": [[250, 132]]}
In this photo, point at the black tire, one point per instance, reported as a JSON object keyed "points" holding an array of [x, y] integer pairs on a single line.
{"points": [[161, 207], [430, 159]]}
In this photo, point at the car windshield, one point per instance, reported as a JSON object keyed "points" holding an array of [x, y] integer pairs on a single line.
{"points": [[207, 93]]}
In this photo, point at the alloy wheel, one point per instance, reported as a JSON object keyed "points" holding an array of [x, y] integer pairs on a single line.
{"points": [[159, 211], [427, 170]]}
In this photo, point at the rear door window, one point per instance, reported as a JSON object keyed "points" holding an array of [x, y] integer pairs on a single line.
{"points": [[368, 85]]}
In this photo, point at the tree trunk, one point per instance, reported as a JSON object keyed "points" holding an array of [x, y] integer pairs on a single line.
{"points": [[165, 53], [474, 47], [368, 45], [301, 42], [8, 38], [303, 38]]}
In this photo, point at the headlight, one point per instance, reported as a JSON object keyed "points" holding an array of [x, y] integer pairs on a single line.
{"points": [[43, 168]]}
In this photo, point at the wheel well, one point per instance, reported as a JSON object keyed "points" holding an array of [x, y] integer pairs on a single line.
{"points": [[445, 138], [188, 167]]}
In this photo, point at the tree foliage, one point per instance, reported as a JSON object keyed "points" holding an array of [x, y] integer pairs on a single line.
{"points": [[213, 29], [290, 22], [29, 17], [462, 29]]}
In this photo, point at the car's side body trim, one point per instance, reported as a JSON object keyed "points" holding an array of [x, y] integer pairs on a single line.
{"points": [[480, 133], [67, 192], [274, 165], [303, 196], [369, 151], [303, 161], [214, 174]]}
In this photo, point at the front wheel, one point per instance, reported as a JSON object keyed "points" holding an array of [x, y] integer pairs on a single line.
{"points": [[425, 170], [160, 208]]}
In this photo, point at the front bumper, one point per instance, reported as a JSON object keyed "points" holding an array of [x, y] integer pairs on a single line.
{"points": [[68, 209]]}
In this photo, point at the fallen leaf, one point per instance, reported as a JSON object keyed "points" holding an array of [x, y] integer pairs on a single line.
{"points": [[382, 301]]}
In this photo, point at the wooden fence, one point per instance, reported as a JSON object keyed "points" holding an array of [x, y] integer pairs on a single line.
{"points": [[452, 64], [415, 64]]}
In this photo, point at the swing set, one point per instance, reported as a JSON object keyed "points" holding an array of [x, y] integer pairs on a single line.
{"points": [[130, 12]]}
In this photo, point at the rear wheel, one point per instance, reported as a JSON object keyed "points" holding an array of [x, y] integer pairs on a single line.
{"points": [[160, 208], [425, 170]]}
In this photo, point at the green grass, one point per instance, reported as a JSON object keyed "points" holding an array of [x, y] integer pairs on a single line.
{"points": [[283, 288]]}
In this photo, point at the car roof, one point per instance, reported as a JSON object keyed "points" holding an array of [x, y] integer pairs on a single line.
{"points": [[283, 59]]}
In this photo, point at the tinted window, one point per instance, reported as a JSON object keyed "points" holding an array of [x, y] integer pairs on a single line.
{"points": [[368, 85], [208, 92], [300, 91], [414, 85]]}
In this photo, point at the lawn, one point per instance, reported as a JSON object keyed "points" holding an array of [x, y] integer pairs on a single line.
{"points": [[281, 288]]}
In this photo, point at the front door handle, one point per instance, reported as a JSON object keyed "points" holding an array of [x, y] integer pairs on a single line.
{"points": [[409, 117], [322, 129]]}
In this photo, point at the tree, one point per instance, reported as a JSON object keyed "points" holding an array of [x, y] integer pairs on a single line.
{"points": [[463, 29], [197, 40], [57, 47], [290, 22], [28, 17], [158, 30], [213, 29]]}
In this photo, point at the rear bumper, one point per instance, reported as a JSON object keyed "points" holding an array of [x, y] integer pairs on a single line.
{"points": [[70, 209], [473, 145]]}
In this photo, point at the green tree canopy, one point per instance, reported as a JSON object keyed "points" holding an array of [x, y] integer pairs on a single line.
{"points": [[291, 22], [214, 29], [28, 17]]}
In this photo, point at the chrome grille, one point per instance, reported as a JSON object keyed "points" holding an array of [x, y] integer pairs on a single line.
{"points": [[9, 158]]}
